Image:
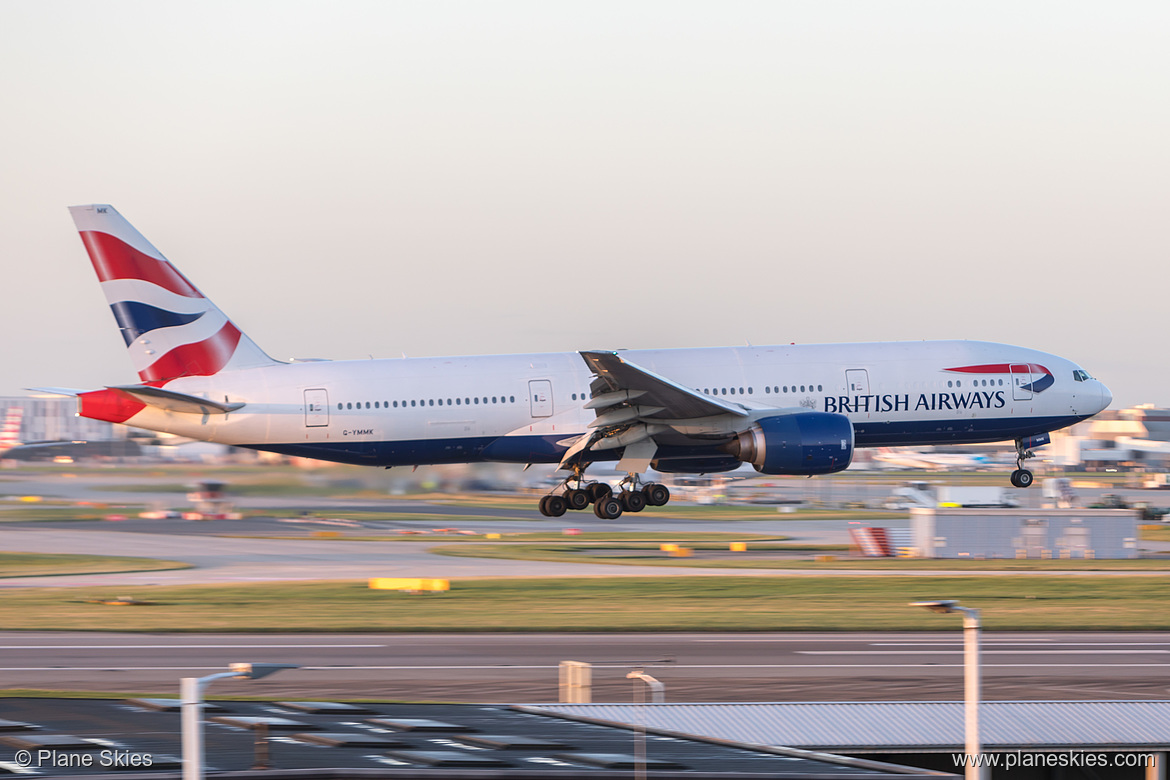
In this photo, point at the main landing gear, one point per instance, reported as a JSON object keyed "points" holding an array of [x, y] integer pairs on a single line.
{"points": [[1021, 477], [607, 505]]}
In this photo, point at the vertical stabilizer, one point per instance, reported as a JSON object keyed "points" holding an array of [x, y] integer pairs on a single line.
{"points": [[171, 330]]}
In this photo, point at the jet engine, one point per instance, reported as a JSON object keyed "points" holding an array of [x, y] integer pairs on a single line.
{"points": [[803, 443]]}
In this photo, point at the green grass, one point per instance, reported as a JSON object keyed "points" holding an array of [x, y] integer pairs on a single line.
{"points": [[15, 564], [609, 604], [572, 552], [651, 539], [1160, 534]]}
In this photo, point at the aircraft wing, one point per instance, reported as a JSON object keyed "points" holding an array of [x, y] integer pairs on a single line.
{"points": [[633, 405], [648, 389]]}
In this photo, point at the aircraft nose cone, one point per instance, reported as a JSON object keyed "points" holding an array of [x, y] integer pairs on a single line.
{"points": [[1106, 396]]}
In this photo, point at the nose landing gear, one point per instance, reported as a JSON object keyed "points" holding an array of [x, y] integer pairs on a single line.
{"points": [[1021, 477]]}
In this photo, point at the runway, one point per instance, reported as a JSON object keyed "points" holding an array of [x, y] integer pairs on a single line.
{"points": [[517, 668]]}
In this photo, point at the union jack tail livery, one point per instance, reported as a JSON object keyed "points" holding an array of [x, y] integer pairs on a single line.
{"points": [[171, 330]]}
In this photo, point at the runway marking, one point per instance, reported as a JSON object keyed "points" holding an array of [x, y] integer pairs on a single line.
{"points": [[596, 666], [959, 642], [1046, 651], [167, 647]]}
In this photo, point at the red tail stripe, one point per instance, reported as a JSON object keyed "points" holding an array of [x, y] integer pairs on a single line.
{"points": [[999, 368], [203, 358], [115, 259]]}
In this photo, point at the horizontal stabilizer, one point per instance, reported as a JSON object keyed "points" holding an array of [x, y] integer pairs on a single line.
{"points": [[65, 391], [176, 402]]}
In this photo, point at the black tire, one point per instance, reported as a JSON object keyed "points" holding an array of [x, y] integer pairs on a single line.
{"points": [[597, 490], [542, 506], [608, 508], [656, 494], [576, 499], [633, 501], [554, 506], [1024, 478]]}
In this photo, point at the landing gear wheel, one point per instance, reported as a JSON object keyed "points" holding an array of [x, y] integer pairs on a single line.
{"points": [[607, 508], [598, 490], [554, 506], [543, 506], [1022, 478], [656, 494], [633, 501], [576, 499]]}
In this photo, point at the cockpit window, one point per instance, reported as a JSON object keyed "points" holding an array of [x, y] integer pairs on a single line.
{"points": [[1081, 376]]}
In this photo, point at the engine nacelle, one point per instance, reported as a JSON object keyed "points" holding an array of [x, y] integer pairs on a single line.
{"points": [[803, 443]]}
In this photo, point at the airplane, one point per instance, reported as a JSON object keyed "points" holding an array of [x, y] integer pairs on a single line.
{"points": [[934, 461], [786, 410]]}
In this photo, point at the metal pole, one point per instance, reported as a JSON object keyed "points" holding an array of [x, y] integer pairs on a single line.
{"points": [[191, 707], [972, 694]]}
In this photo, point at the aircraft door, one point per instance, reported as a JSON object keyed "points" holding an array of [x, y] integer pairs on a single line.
{"points": [[857, 380], [316, 408], [541, 397], [1021, 381]]}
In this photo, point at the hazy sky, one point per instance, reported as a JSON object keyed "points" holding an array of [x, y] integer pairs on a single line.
{"points": [[348, 179]]}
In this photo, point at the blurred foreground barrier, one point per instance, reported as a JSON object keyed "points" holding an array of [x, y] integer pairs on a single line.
{"points": [[411, 584], [576, 682]]}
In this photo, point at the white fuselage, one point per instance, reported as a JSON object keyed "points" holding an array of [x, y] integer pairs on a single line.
{"points": [[527, 408]]}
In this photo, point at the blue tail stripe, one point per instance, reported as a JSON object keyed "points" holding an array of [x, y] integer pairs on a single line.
{"points": [[1041, 384], [136, 318]]}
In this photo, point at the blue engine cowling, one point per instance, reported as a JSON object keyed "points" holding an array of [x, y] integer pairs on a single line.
{"points": [[803, 443]]}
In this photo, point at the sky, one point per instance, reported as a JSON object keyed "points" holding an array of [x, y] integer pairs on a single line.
{"points": [[357, 179]]}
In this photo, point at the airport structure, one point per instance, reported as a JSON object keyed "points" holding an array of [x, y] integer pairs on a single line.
{"points": [[300, 739], [56, 419], [978, 534]]}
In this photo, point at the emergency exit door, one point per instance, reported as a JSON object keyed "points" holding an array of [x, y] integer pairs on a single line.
{"points": [[316, 408], [857, 380], [541, 397]]}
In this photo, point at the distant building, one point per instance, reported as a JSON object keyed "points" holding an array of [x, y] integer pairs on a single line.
{"points": [[1135, 438], [55, 419]]}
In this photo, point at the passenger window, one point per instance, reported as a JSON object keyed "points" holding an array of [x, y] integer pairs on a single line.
{"points": [[820, 389], [348, 405], [367, 404], [395, 404], [376, 404], [477, 401], [440, 402], [412, 402], [339, 407], [512, 399], [432, 402], [741, 391]]}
